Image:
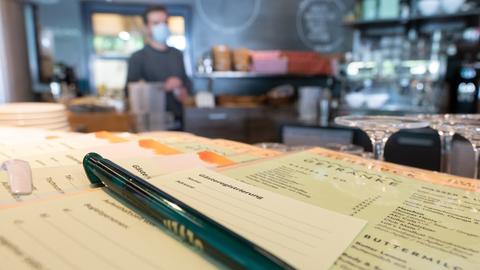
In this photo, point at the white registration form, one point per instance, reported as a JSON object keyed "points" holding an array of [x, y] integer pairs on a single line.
{"points": [[305, 236]]}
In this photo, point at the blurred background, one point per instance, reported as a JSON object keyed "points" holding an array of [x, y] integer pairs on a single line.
{"points": [[259, 70]]}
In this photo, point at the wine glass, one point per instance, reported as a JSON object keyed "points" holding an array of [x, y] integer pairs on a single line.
{"points": [[441, 123], [379, 128], [471, 132], [444, 124]]}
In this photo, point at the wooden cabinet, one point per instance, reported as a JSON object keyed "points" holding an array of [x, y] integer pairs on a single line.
{"points": [[250, 125], [101, 121]]}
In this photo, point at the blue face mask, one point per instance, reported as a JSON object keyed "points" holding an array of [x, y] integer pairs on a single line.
{"points": [[160, 33]]}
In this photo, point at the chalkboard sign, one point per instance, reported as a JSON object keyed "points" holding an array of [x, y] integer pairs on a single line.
{"points": [[319, 24]]}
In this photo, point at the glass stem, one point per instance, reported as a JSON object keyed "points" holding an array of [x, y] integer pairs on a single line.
{"points": [[378, 147], [446, 141], [476, 172]]}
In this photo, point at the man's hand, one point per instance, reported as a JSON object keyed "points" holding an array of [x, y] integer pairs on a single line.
{"points": [[175, 85], [172, 83], [181, 94]]}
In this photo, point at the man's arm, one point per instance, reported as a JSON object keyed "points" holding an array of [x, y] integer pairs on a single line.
{"points": [[134, 71], [185, 79], [181, 85]]}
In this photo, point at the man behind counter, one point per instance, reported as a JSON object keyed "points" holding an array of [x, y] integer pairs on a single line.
{"points": [[157, 62]]}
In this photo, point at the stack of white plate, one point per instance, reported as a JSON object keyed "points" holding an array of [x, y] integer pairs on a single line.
{"points": [[52, 116]]}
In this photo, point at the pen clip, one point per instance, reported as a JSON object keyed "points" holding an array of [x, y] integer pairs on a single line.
{"points": [[19, 176]]}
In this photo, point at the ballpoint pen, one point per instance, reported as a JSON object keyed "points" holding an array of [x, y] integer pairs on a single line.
{"points": [[188, 224]]}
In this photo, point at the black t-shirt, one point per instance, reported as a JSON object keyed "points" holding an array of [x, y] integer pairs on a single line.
{"points": [[152, 65]]}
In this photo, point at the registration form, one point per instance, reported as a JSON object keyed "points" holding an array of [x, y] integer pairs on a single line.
{"points": [[93, 230], [305, 236]]}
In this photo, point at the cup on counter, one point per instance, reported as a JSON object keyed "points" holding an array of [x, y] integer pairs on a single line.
{"points": [[308, 102]]}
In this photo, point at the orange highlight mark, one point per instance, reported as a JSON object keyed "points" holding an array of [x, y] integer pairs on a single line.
{"points": [[214, 158], [110, 137], [159, 148]]}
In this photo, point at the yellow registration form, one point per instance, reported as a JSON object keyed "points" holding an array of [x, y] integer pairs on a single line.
{"points": [[416, 219], [92, 230]]}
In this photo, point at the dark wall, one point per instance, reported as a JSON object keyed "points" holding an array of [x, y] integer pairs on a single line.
{"points": [[255, 24], [278, 25]]}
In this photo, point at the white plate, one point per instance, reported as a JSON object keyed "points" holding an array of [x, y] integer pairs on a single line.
{"points": [[45, 126], [34, 122], [23, 116], [31, 107]]}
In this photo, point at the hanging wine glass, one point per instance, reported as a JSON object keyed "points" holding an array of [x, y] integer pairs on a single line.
{"points": [[380, 128], [444, 124], [471, 132]]}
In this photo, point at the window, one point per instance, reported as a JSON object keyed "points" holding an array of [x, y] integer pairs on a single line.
{"points": [[116, 35], [117, 31]]}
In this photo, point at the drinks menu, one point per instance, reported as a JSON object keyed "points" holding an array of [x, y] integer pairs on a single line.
{"points": [[416, 219]]}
